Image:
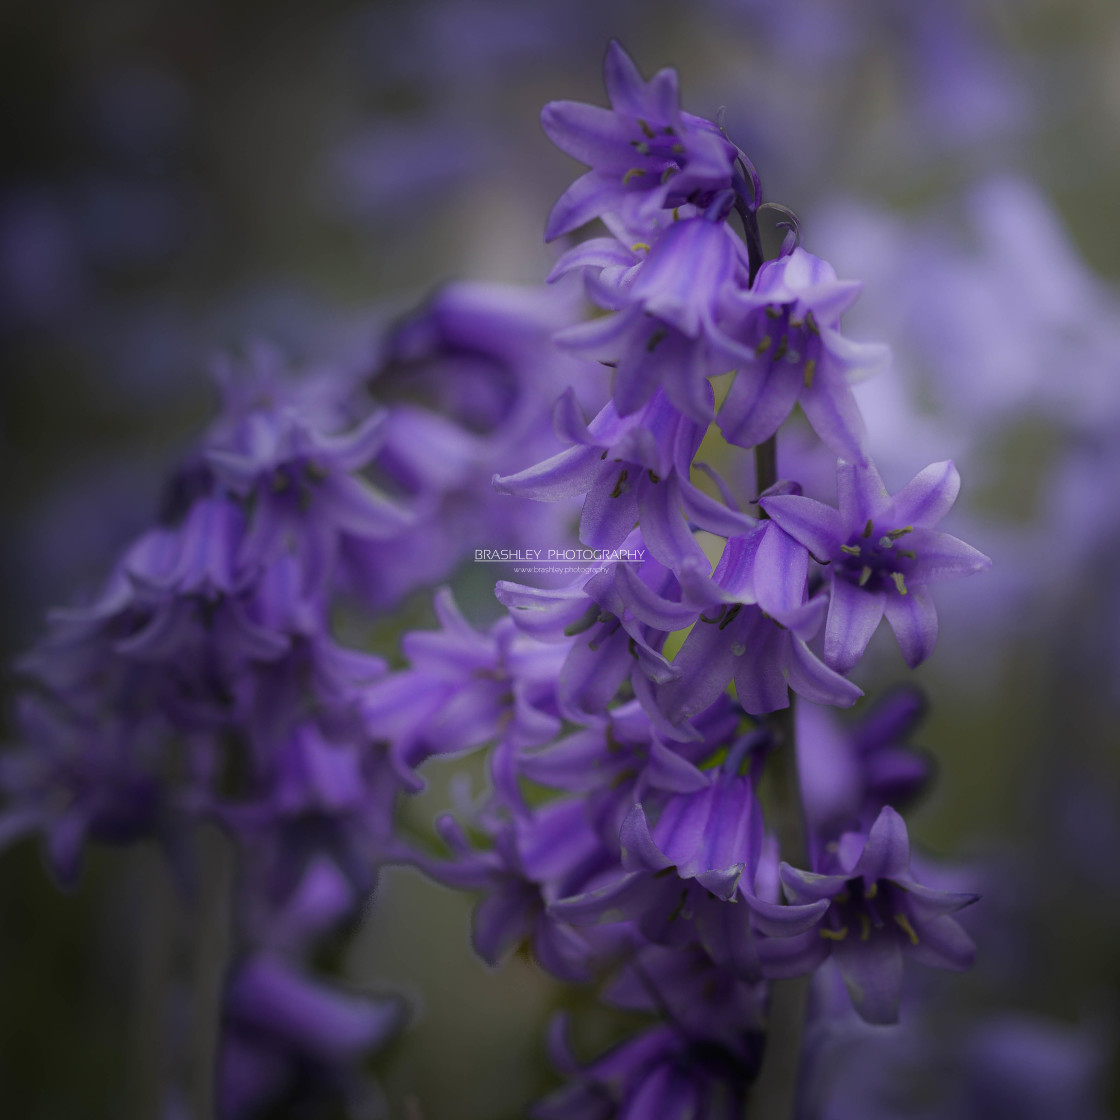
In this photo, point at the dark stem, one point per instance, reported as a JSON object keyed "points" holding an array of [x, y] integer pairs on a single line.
{"points": [[213, 917], [774, 1095]]}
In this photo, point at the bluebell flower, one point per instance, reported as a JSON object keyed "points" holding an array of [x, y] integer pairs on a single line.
{"points": [[883, 554], [644, 144], [878, 913]]}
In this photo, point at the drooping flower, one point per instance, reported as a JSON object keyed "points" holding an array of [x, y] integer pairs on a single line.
{"points": [[788, 323], [633, 468], [666, 331], [644, 144], [878, 913], [883, 554], [756, 631]]}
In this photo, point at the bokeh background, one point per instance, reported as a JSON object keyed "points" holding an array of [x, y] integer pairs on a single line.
{"points": [[183, 177]]}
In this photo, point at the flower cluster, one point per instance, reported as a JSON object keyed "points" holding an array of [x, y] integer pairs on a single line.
{"points": [[642, 770], [663, 819]]}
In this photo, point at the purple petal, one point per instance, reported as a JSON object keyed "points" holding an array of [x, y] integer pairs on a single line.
{"points": [[500, 921], [760, 398], [664, 528], [609, 512], [776, 920], [811, 678], [861, 494], [913, 618], [568, 475], [853, 614], [940, 556], [832, 410], [808, 886], [928, 496], [817, 526], [760, 679], [592, 135], [639, 852], [624, 82], [872, 972], [781, 571], [581, 202], [886, 855], [942, 943]]}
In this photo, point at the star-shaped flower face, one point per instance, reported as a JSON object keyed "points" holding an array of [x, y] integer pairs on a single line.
{"points": [[644, 144], [878, 913], [883, 552]]}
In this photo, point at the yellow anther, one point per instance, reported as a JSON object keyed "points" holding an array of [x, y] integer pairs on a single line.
{"points": [[899, 582], [872, 890], [834, 934], [907, 928], [763, 346], [639, 246], [649, 133], [868, 529], [851, 549], [864, 927], [633, 173], [864, 576], [810, 372]]}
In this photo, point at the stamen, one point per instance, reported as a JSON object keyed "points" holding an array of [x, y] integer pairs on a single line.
{"points": [[642, 146], [763, 346], [620, 486], [864, 927], [657, 337], [633, 173], [894, 534], [731, 614], [783, 346], [810, 372], [872, 890], [868, 529], [899, 582], [668, 173], [677, 149], [851, 549], [654, 478], [909, 553], [639, 246], [646, 130], [907, 928], [864, 576], [834, 934]]}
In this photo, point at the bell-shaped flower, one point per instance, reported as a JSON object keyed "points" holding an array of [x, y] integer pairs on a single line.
{"points": [[883, 553], [756, 633], [789, 324], [631, 469], [643, 144], [665, 332], [878, 913]]}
